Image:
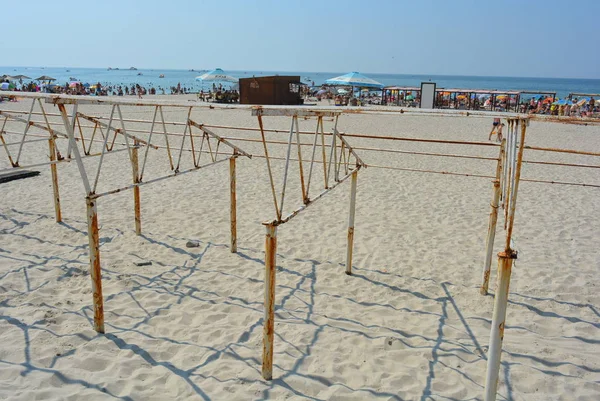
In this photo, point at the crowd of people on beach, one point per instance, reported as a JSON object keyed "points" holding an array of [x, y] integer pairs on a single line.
{"points": [[573, 107], [217, 94], [341, 98], [580, 107], [97, 89]]}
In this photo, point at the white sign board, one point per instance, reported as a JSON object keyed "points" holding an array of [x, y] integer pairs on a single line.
{"points": [[427, 95]]}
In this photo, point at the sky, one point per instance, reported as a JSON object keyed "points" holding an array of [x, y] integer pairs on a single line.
{"points": [[526, 38]]}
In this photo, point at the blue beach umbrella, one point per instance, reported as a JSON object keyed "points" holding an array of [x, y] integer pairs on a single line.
{"points": [[354, 79]]}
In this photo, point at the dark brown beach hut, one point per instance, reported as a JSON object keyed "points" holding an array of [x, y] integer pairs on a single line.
{"points": [[277, 89]]}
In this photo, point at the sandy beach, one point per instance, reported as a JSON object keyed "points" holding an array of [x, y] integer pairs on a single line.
{"points": [[409, 324]]}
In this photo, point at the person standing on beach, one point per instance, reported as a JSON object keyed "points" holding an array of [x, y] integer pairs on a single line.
{"points": [[496, 129]]}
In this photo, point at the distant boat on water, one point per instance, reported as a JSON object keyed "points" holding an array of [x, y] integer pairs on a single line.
{"points": [[133, 68], [161, 76], [109, 69], [139, 73]]}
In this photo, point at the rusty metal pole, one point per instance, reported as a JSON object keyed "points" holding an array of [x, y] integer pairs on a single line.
{"points": [[489, 248], [136, 189], [96, 273], [351, 223], [505, 260], [53, 170], [232, 212], [269, 321]]}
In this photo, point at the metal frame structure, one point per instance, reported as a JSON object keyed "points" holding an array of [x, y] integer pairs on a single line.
{"points": [[341, 164], [77, 151]]}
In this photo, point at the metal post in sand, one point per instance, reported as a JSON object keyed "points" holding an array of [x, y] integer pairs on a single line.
{"points": [[351, 223], [269, 321], [505, 261], [54, 172], [92, 220], [136, 189], [233, 206]]}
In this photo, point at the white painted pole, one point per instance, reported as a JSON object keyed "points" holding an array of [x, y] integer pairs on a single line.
{"points": [[73, 146], [498, 320]]}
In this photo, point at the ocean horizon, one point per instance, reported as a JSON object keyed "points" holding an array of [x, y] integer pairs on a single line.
{"points": [[172, 77]]}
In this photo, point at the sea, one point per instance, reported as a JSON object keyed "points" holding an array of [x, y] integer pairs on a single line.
{"points": [[150, 78]]}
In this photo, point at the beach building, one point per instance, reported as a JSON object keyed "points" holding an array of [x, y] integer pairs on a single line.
{"points": [[274, 90]]}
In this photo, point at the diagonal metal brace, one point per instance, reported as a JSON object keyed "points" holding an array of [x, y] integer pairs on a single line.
{"points": [[218, 138]]}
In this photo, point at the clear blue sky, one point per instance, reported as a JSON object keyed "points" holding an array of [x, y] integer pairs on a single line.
{"points": [[459, 37]]}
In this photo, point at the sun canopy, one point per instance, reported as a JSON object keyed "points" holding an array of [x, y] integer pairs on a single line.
{"points": [[45, 78], [217, 75], [354, 79]]}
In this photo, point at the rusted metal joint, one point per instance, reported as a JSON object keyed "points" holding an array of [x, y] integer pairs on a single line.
{"points": [[508, 254], [272, 223]]}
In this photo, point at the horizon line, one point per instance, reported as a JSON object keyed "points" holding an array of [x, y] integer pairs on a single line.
{"points": [[319, 72]]}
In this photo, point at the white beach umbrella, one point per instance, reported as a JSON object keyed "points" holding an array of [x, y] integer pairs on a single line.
{"points": [[217, 75], [355, 79]]}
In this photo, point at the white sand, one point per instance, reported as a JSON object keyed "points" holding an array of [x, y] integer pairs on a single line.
{"points": [[409, 324]]}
